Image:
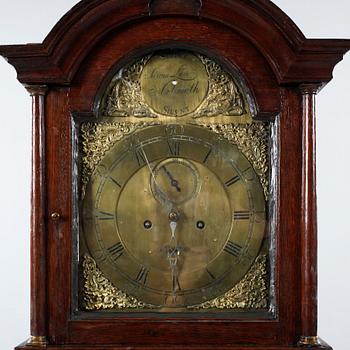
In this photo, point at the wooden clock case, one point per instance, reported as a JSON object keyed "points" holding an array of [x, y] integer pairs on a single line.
{"points": [[69, 72]]}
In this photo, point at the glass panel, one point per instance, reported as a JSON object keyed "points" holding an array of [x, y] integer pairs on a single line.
{"points": [[174, 196]]}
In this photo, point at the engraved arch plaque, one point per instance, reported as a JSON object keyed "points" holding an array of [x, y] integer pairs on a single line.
{"points": [[177, 84]]}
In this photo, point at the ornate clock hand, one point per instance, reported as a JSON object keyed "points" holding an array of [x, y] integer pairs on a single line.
{"points": [[149, 166], [173, 217], [173, 254], [173, 225], [173, 257], [174, 182], [167, 200]]}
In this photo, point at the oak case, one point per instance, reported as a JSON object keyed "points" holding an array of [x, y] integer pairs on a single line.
{"points": [[74, 62]]}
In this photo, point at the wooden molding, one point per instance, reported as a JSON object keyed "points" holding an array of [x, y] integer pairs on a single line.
{"points": [[190, 7], [292, 57]]}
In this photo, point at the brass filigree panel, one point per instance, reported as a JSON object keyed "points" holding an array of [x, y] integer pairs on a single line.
{"points": [[251, 292], [224, 98], [99, 293], [253, 141], [124, 96], [97, 139]]}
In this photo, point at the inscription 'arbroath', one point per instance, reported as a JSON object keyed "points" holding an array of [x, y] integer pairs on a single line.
{"points": [[174, 85]]}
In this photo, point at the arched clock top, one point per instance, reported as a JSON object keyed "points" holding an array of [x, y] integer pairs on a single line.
{"points": [[292, 58], [156, 34]]}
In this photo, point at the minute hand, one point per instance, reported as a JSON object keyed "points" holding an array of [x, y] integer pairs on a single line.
{"points": [[168, 202]]}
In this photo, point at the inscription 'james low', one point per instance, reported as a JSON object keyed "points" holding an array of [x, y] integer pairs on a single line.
{"points": [[174, 86], [180, 83]]}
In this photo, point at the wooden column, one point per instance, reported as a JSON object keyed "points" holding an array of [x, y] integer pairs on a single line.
{"points": [[38, 232], [309, 220]]}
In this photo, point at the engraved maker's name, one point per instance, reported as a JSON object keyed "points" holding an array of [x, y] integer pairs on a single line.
{"points": [[183, 82]]}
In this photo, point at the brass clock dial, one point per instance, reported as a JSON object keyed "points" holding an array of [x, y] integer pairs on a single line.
{"points": [[174, 215]]}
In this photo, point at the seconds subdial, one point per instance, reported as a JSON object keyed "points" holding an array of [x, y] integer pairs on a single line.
{"points": [[175, 179]]}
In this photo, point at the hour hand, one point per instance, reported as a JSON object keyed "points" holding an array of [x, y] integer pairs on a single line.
{"points": [[174, 182], [173, 225], [173, 217]]}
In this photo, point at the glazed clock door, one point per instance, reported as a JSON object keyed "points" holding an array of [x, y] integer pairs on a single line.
{"points": [[174, 216], [174, 211]]}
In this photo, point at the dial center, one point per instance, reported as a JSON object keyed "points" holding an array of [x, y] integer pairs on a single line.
{"points": [[174, 216]]}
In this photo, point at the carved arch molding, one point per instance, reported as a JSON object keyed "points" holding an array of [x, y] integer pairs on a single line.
{"points": [[263, 24]]}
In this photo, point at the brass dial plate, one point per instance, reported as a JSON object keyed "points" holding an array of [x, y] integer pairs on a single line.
{"points": [[221, 215]]}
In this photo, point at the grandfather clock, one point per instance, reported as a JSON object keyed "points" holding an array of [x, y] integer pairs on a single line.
{"points": [[173, 188]]}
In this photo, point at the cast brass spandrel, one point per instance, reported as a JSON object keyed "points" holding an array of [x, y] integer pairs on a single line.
{"points": [[96, 141], [250, 293], [100, 294], [253, 141]]}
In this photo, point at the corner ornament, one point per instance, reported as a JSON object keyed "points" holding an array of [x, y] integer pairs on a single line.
{"points": [[99, 293], [252, 292]]}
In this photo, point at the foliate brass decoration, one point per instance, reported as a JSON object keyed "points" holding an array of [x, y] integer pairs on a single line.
{"points": [[97, 139], [99, 293], [174, 84], [212, 94], [124, 96], [253, 141], [224, 97], [252, 292]]}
